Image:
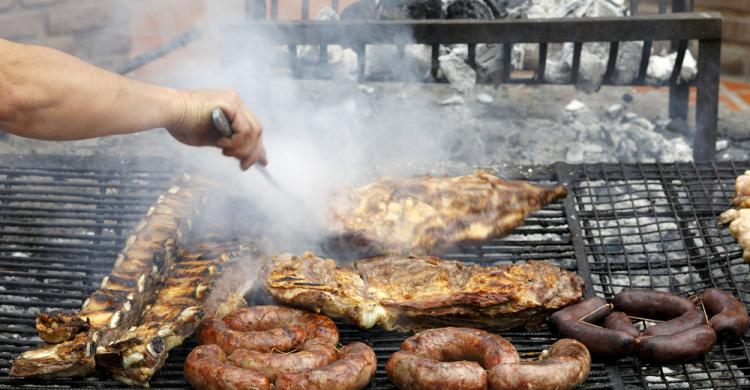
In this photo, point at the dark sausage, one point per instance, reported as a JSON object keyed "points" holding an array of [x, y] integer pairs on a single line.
{"points": [[678, 347], [602, 342], [353, 371], [278, 339], [206, 369], [565, 366], [678, 313], [592, 310], [618, 320], [728, 316], [271, 365], [411, 371]]}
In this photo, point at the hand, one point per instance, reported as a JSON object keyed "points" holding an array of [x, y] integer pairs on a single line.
{"points": [[193, 125]]}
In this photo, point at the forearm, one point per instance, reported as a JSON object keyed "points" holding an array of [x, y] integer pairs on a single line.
{"points": [[47, 94]]}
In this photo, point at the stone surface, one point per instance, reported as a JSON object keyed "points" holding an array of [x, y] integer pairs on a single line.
{"points": [[459, 74], [6, 4], [38, 3], [485, 98], [22, 25], [75, 17]]}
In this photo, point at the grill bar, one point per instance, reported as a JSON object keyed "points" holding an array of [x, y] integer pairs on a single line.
{"points": [[647, 225]]}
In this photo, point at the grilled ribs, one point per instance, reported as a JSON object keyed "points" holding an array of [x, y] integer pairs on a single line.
{"points": [[118, 303], [413, 293], [426, 215], [175, 314], [738, 218]]}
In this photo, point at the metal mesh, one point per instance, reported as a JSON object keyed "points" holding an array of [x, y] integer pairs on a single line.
{"points": [[644, 225]]}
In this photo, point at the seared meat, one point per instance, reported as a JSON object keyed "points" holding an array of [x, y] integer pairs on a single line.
{"points": [[175, 314], [423, 215], [411, 293], [118, 303], [738, 218]]}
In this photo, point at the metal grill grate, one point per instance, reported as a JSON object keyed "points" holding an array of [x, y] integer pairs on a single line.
{"points": [[642, 225]]}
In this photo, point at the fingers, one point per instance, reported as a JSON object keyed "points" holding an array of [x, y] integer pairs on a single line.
{"points": [[247, 142]]}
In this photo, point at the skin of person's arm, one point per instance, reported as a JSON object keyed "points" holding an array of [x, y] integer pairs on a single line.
{"points": [[46, 94]]}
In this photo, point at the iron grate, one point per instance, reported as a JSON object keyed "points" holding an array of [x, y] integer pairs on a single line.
{"points": [[69, 229], [654, 226]]}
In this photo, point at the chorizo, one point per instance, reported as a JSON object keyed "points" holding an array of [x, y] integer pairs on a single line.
{"points": [[455, 344], [728, 316], [678, 347], [271, 365], [678, 313], [565, 366], [411, 371], [618, 320], [229, 340], [318, 328], [206, 369], [353, 371]]}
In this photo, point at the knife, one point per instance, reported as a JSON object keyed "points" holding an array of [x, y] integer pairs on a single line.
{"points": [[222, 125]]}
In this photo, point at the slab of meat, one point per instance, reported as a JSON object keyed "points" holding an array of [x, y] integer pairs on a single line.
{"points": [[738, 218], [118, 303], [408, 293], [174, 315], [426, 215]]}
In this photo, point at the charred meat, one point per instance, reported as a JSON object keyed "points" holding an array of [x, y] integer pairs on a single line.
{"points": [[424, 215], [118, 303], [411, 293], [738, 218], [174, 315]]}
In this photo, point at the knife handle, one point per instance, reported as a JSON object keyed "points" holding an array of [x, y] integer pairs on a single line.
{"points": [[221, 123]]}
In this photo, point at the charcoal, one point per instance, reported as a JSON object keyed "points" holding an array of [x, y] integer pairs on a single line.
{"points": [[469, 9], [360, 10], [409, 9]]}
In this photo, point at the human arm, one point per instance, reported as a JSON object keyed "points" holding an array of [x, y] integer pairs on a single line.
{"points": [[47, 94]]}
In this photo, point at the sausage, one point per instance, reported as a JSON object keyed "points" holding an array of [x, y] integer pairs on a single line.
{"points": [[279, 339], [206, 369], [353, 371], [592, 310], [678, 313], [602, 342], [455, 344], [411, 371], [678, 347], [618, 320], [565, 366], [728, 316], [271, 365], [318, 328]]}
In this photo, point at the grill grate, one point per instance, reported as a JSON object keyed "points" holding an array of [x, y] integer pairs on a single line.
{"points": [[629, 225]]}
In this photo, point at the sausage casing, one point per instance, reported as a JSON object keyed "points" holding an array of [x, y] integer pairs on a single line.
{"points": [[618, 320], [729, 317], [353, 371], [592, 310], [455, 344], [603, 342], [565, 366], [678, 347], [318, 328], [679, 313], [271, 365], [278, 339], [412, 371], [206, 369]]}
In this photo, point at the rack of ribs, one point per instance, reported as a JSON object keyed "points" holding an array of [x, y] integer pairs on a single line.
{"points": [[72, 339], [413, 293], [427, 214]]}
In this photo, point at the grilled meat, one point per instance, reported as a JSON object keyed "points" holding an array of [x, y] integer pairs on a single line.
{"points": [[175, 314], [412, 293], [118, 303], [423, 215], [738, 218]]}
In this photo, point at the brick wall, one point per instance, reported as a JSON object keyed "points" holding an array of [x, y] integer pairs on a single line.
{"points": [[95, 30]]}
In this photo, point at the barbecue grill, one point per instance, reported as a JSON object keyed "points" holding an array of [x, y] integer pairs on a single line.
{"points": [[680, 27], [64, 219]]}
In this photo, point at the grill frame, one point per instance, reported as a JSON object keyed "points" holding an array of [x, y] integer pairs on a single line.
{"points": [[684, 199]]}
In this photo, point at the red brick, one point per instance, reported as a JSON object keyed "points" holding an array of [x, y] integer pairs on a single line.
{"points": [[21, 25], [731, 5], [736, 30]]}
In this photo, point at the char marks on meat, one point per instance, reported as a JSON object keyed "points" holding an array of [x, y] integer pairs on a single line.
{"points": [[426, 215], [738, 218], [412, 293], [118, 303]]}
